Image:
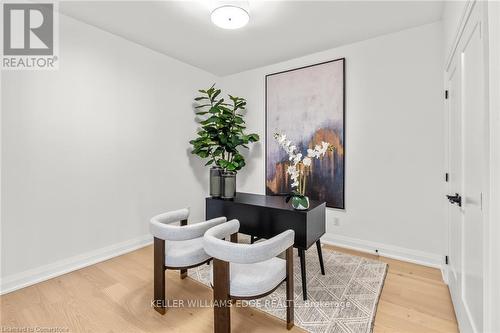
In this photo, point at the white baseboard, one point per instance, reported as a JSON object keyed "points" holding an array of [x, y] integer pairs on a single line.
{"points": [[39, 274], [385, 250], [444, 273]]}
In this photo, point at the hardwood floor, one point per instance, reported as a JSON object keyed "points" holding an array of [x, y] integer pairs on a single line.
{"points": [[414, 299], [114, 296]]}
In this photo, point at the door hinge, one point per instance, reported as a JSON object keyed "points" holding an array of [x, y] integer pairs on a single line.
{"points": [[446, 94], [446, 261], [446, 177]]}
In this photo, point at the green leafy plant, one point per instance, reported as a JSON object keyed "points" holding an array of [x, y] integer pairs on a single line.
{"points": [[222, 130]]}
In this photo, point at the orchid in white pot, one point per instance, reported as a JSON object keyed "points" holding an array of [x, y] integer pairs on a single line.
{"points": [[299, 168]]}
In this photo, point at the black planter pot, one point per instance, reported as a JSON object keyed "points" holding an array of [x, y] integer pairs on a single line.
{"points": [[215, 182], [228, 184]]}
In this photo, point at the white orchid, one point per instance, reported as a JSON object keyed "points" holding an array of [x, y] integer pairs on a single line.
{"points": [[297, 158], [299, 163]]}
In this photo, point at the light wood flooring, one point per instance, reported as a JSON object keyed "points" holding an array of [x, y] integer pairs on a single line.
{"points": [[114, 296]]}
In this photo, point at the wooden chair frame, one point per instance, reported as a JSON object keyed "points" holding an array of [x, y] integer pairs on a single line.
{"points": [[222, 297], [159, 268]]}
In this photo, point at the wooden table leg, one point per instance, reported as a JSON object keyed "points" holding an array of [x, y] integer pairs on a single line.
{"points": [[320, 255], [302, 255]]}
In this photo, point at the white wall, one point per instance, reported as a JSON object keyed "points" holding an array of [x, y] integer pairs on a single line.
{"points": [[90, 152], [394, 142], [452, 14]]}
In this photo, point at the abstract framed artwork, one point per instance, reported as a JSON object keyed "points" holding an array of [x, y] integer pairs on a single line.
{"points": [[308, 105]]}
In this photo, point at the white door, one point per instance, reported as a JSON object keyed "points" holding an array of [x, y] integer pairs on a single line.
{"points": [[466, 162]]}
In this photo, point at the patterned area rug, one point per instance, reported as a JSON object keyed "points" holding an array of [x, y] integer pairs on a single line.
{"points": [[343, 300]]}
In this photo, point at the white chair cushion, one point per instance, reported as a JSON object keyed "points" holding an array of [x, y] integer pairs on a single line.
{"points": [[243, 253], [163, 230], [185, 253], [247, 280]]}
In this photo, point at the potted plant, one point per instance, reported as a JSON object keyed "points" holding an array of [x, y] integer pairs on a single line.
{"points": [[219, 138], [299, 168]]}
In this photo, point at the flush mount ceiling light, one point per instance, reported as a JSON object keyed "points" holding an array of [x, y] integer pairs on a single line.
{"points": [[230, 17]]}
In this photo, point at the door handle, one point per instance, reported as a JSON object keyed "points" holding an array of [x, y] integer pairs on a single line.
{"points": [[455, 199]]}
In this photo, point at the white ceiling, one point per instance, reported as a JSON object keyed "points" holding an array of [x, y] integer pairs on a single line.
{"points": [[277, 31]]}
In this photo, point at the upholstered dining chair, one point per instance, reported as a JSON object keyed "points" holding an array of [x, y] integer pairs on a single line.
{"points": [[247, 271], [177, 247]]}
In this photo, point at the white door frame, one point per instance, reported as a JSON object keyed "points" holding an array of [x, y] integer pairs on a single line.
{"points": [[492, 250]]}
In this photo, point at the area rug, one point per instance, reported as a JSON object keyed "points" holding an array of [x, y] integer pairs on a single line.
{"points": [[343, 300]]}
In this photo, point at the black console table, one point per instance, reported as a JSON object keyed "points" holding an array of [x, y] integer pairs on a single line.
{"points": [[265, 216]]}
